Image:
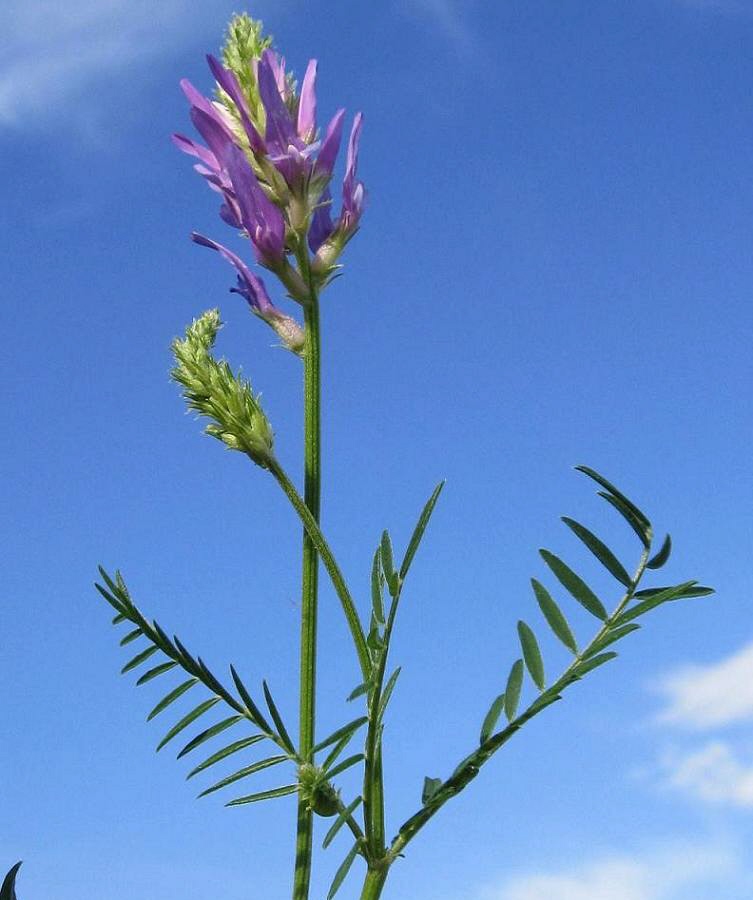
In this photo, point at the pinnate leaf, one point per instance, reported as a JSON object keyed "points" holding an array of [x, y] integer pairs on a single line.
{"points": [[531, 654], [554, 616]]}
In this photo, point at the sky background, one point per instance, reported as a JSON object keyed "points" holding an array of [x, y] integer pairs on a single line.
{"points": [[554, 269]]}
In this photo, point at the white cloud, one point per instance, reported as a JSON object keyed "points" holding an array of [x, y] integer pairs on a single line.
{"points": [[658, 876], [713, 773], [703, 697], [446, 16], [58, 58]]}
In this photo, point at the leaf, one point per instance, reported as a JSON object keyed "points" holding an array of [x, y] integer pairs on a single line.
{"points": [[209, 733], [335, 752], [252, 708], [359, 691], [141, 657], [657, 561], [615, 634], [157, 670], [388, 566], [617, 494], [599, 550], [543, 701], [244, 773], [117, 619], [385, 549], [377, 598], [346, 731], [553, 615], [277, 718], [593, 662], [187, 719], [342, 872], [131, 636], [688, 589], [418, 531], [431, 786], [575, 585], [491, 719], [387, 693], [265, 795], [340, 821], [171, 697], [644, 533], [8, 889], [513, 688], [531, 654], [662, 595], [345, 764], [113, 601], [225, 752]]}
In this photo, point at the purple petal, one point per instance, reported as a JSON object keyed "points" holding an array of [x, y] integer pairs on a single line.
{"points": [[351, 163], [193, 149], [249, 285], [325, 162], [211, 130], [321, 222], [261, 218], [279, 124], [307, 104], [229, 84]]}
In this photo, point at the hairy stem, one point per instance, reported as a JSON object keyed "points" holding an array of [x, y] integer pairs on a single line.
{"points": [[374, 883], [330, 564], [312, 495]]}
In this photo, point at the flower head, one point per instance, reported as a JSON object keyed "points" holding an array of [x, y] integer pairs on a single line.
{"points": [[252, 288]]}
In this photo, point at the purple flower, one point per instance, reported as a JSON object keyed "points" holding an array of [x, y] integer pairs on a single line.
{"points": [[261, 219], [252, 288], [323, 229], [354, 193]]}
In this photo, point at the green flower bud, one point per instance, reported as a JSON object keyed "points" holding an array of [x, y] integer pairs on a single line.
{"points": [[322, 798], [211, 388]]}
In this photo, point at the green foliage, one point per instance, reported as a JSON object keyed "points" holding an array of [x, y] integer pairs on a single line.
{"points": [[211, 389], [633, 603], [8, 889], [343, 870], [175, 655]]}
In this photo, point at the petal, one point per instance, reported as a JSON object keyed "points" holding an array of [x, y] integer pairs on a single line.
{"points": [[213, 132], [321, 222], [250, 285], [351, 162], [229, 84], [325, 162], [279, 124], [307, 104], [193, 149]]}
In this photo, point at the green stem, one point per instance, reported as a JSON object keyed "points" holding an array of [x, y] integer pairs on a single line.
{"points": [[330, 564], [312, 495], [374, 883]]}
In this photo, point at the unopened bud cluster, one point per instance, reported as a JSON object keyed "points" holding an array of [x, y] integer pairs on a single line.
{"points": [[212, 390]]}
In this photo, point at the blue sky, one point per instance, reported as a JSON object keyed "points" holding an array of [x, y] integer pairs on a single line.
{"points": [[554, 268]]}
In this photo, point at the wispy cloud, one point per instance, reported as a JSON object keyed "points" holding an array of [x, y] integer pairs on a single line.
{"points": [[714, 773], [705, 697], [59, 58], [449, 17], [659, 875]]}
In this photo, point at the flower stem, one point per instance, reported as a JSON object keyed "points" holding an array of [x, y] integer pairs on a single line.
{"points": [[374, 883], [330, 564], [311, 496]]}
